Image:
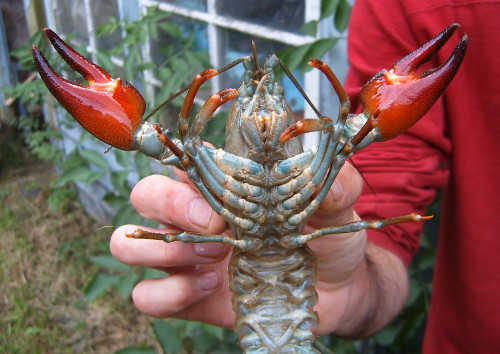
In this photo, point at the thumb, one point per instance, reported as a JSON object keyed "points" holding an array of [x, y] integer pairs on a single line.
{"points": [[338, 206]]}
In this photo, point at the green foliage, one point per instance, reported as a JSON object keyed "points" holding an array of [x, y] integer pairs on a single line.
{"points": [[181, 61], [298, 57], [174, 335], [32, 93], [341, 11]]}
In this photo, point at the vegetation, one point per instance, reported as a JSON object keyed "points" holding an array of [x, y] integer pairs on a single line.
{"points": [[44, 268]]}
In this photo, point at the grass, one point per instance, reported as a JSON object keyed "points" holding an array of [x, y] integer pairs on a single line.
{"points": [[44, 267]]}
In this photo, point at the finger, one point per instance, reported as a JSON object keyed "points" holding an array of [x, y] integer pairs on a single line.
{"points": [[171, 202], [201, 295], [183, 175], [338, 206], [154, 253]]}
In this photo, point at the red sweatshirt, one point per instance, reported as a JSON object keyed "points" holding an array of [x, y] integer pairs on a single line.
{"points": [[456, 146]]}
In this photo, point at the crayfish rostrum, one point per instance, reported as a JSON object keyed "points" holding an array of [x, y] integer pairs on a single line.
{"points": [[263, 184]]}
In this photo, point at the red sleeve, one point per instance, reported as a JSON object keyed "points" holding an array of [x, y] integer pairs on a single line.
{"points": [[405, 172]]}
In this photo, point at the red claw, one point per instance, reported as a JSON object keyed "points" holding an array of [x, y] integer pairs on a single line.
{"points": [[401, 98], [110, 109]]}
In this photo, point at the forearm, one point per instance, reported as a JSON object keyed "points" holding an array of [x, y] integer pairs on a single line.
{"points": [[376, 295]]}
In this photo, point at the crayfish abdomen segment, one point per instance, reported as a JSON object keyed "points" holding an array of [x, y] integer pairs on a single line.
{"points": [[273, 297]]}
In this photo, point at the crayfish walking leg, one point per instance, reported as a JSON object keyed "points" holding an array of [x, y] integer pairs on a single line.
{"points": [[263, 184]]}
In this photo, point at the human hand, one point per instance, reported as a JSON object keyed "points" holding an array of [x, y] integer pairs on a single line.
{"points": [[197, 286]]}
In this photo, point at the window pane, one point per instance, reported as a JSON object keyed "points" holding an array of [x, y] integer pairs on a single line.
{"points": [[284, 15], [102, 11], [179, 53], [177, 35], [70, 17], [200, 5], [237, 45]]}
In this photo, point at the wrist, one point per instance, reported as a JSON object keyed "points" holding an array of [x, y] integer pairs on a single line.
{"points": [[377, 293]]}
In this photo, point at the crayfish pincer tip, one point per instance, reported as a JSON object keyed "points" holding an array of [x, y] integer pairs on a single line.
{"points": [[410, 63]]}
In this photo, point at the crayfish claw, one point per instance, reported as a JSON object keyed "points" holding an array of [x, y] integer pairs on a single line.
{"points": [[402, 97], [110, 109]]}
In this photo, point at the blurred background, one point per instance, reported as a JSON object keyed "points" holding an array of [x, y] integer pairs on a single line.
{"points": [[61, 196]]}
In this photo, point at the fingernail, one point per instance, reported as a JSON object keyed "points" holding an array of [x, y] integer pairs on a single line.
{"points": [[199, 212], [208, 280], [338, 191], [212, 250]]}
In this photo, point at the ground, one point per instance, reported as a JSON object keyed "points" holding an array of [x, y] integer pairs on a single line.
{"points": [[44, 268]]}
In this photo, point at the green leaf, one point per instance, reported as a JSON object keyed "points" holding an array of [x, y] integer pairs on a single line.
{"points": [[94, 158], [153, 30], [104, 60], [295, 56], [387, 336], [122, 157], [319, 48], [415, 292], [426, 261], [126, 284], [328, 7], [99, 284], [425, 242], [119, 181], [94, 177], [193, 60], [150, 273], [192, 328], [128, 64], [171, 28], [127, 215], [170, 340], [109, 262], [203, 342], [157, 15], [75, 174], [299, 56], [342, 16], [310, 28], [214, 331], [115, 201], [84, 136], [146, 66], [164, 73], [178, 65], [143, 164]]}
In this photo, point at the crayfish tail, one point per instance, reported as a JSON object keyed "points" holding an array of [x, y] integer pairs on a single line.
{"points": [[276, 315]]}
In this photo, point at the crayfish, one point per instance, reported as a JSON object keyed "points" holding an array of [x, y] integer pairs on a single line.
{"points": [[263, 183]]}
